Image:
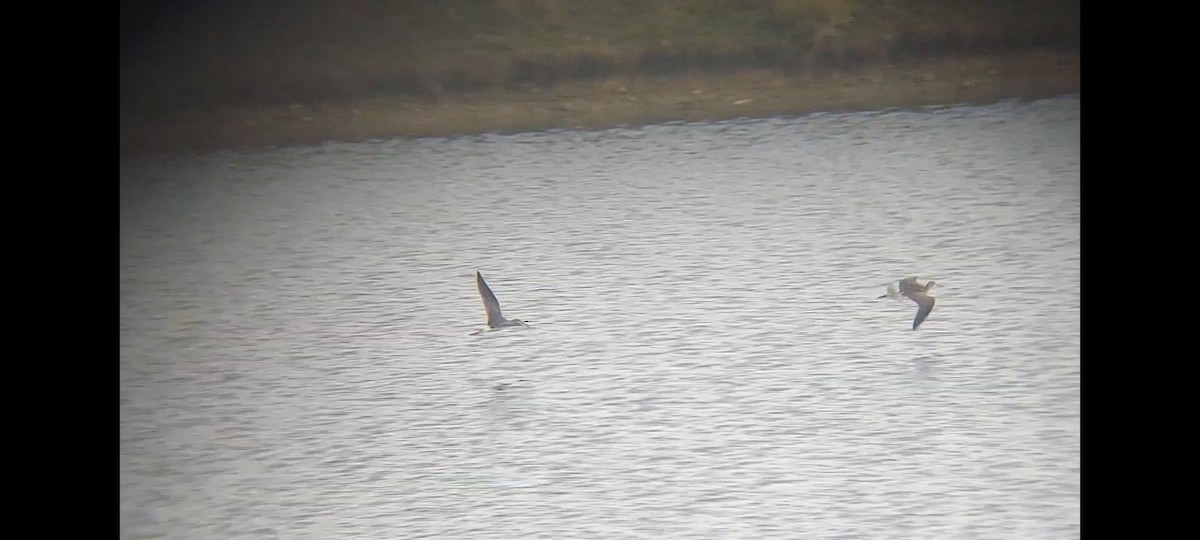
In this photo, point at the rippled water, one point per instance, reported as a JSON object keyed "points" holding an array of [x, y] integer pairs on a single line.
{"points": [[707, 359]]}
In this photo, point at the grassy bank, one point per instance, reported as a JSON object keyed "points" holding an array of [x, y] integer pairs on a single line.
{"points": [[244, 74], [613, 102]]}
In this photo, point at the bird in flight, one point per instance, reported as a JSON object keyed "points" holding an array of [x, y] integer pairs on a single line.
{"points": [[495, 320], [909, 288]]}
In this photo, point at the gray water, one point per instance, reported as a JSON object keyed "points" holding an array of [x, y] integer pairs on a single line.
{"points": [[707, 356]]}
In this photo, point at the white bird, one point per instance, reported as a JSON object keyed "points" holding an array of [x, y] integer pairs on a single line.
{"points": [[495, 320]]}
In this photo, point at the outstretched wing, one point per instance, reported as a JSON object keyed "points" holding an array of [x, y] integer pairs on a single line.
{"points": [[924, 306], [490, 304]]}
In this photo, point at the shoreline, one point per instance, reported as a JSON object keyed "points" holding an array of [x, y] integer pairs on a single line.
{"points": [[612, 102]]}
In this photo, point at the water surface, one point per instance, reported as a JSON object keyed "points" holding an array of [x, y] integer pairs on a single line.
{"points": [[708, 358]]}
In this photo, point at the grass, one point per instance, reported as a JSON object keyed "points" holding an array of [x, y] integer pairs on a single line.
{"points": [[274, 72]]}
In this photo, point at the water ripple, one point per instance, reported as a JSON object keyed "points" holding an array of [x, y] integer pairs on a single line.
{"points": [[708, 358]]}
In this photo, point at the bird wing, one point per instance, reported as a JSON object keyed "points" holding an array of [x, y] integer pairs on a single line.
{"points": [[924, 306], [490, 304]]}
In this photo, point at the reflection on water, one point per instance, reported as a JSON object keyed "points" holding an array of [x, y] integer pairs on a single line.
{"points": [[707, 358]]}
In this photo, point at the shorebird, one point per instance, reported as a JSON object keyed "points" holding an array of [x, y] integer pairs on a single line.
{"points": [[916, 292], [492, 306]]}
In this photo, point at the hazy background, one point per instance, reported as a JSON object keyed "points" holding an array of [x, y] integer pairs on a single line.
{"points": [[205, 54]]}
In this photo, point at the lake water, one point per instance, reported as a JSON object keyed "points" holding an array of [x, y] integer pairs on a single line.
{"points": [[707, 357]]}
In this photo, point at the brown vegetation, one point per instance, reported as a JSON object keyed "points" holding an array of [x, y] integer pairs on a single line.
{"points": [[301, 71]]}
